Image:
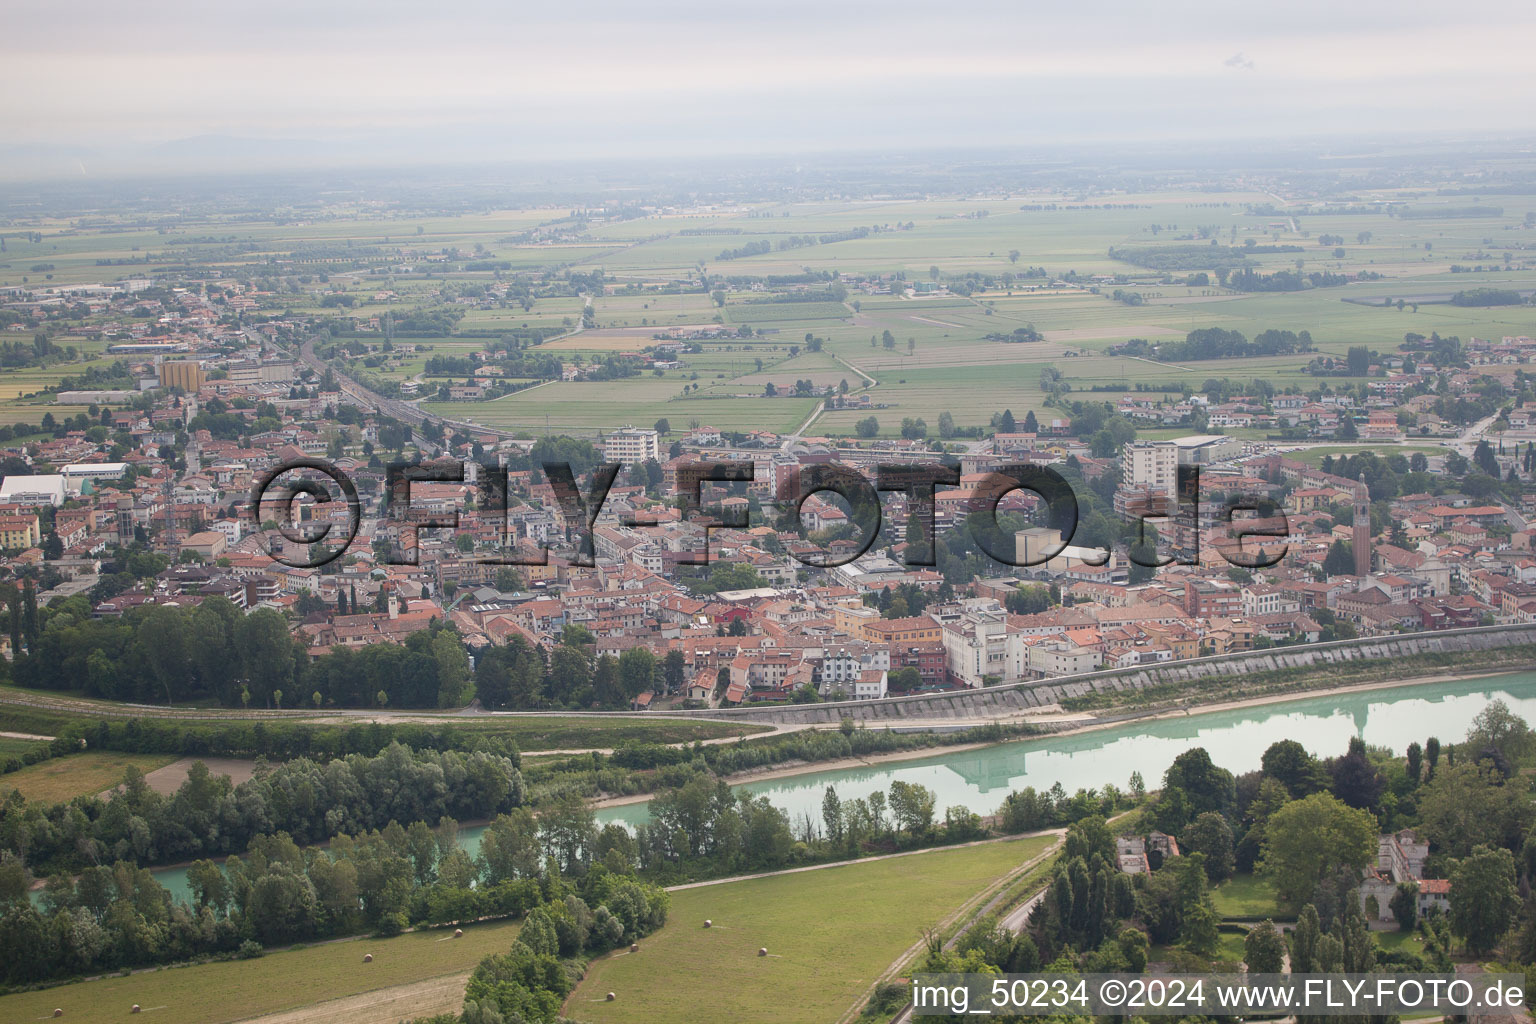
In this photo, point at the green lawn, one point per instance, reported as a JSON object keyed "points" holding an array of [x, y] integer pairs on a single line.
{"points": [[15, 748], [64, 778], [1314, 456], [1245, 897], [828, 933], [529, 732], [1395, 940], [228, 991]]}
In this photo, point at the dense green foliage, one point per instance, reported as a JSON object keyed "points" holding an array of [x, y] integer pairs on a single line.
{"points": [[208, 817], [168, 654]]}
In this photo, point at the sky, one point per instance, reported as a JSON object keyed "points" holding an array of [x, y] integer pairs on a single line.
{"points": [[608, 79]]}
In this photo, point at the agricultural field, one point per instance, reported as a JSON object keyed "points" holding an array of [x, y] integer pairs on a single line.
{"points": [[1047, 254], [216, 993], [588, 408], [84, 774], [828, 933]]}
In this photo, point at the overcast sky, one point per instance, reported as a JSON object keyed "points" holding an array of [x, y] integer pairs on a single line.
{"points": [[606, 78]]}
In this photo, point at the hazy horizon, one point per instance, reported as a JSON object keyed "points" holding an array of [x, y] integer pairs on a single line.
{"points": [[151, 90]]}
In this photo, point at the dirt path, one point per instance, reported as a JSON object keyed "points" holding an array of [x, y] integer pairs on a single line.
{"points": [[168, 780], [443, 994]]}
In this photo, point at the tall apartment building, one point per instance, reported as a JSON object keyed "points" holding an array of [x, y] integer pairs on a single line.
{"points": [[1150, 466], [632, 444]]}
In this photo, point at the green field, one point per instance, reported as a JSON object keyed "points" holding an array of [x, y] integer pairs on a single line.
{"points": [[828, 933], [1245, 897], [588, 408], [10, 747], [529, 732], [235, 990], [940, 349], [1315, 456], [85, 774]]}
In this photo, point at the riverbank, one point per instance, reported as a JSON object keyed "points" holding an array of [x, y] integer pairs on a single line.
{"points": [[1071, 723]]}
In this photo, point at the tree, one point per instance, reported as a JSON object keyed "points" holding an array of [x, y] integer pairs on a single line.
{"points": [[867, 427], [1340, 560], [1201, 934], [674, 671], [1404, 905], [1484, 458], [1501, 729], [569, 673], [1312, 838], [1468, 805], [1290, 764], [1088, 837], [1209, 788], [1359, 360], [912, 805], [832, 816], [607, 688], [637, 671], [1263, 949], [1355, 779], [1209, 834], [1483, 898], [568, 830], [663, 427], [509, 848]]}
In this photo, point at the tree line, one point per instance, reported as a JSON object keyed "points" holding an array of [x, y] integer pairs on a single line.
{"points": [[209, 817]]}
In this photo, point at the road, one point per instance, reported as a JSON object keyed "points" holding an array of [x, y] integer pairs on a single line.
{"points": [[790, 440], [406, 412]]}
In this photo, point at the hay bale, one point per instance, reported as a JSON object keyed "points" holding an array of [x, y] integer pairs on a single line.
{"points": [[367, 958], [763, 951], [134, 1009], [611, 997], [634, 947], [458, 933], [708, 923]]}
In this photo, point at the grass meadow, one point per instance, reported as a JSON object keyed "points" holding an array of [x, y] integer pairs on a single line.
{"points": [[216, 993], [84, 774], [828, 933]]}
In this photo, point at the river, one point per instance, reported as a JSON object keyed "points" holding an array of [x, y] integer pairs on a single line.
{"points": [[1236, 739]]}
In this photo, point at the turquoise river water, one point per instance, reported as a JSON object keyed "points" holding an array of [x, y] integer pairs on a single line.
{"points": [[1236, 739]]}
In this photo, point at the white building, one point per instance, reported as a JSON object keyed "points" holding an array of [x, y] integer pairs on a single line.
{"points": [[1150, 465], [632, 445], [979, 644], [843, 668], [94, 471], [47, 489], [1062, 657], [870, 685], [1205, 449]]}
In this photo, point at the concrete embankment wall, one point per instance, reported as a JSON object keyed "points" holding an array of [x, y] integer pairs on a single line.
{"points": [[990, 702]]}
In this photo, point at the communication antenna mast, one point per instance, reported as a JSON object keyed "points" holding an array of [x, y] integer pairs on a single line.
{"points": [[168, 491]]}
